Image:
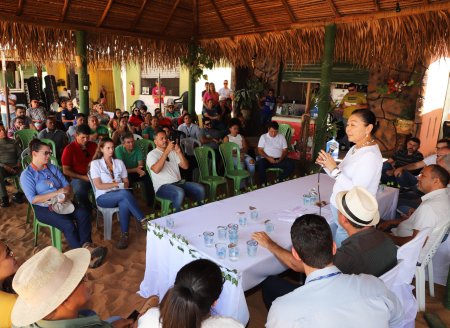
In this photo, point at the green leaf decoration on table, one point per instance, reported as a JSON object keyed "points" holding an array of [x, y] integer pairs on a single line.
{"points": [[180, 248], [234, 281], [171, 242]]}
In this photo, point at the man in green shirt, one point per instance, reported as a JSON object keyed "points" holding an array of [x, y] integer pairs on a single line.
{"points": [[134, 161], [97, 131]]}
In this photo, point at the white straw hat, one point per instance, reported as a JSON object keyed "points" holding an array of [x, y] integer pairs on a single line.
{"points": [[359, 206], [45, 281]]}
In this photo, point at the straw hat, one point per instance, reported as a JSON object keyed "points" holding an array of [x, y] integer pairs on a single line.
{"points": [[358, 206], [45, 281]]}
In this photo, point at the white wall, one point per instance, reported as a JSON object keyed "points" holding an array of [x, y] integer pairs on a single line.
{"points": [[216, 75]]}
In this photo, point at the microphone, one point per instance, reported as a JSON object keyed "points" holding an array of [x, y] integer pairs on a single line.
{"points": [[332, 148]]}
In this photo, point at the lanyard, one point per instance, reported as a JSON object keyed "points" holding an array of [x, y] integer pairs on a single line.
{"points": [[325, 276]]}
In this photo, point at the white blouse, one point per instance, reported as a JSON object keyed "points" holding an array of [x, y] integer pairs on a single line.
{"points": [[99, 169]]}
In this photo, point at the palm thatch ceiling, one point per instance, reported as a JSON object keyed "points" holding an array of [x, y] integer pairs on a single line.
{"points": [[369, 32]]}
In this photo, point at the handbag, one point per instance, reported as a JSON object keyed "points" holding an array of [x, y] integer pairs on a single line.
{"points": [[65, 207]]}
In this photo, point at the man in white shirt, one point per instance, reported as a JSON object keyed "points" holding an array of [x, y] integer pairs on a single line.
{"points": [[12, 99], [190, 129], [433, 212], [272, 147], [164, 163], [226, 91], [329, 297]]}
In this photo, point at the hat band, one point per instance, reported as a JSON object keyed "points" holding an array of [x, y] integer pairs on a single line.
{"points": [[350, 213]]}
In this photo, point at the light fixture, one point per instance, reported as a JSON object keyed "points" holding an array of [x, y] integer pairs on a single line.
{"points": [[397, 7]]}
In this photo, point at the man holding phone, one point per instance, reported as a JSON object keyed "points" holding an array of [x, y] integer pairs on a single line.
{"points": [[164, 163]]}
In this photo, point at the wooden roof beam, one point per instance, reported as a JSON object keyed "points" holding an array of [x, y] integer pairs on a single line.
{"points": [[169, 18], [333, 8], [64, 11], [20, 7], [225, 25], [195, 18], [139, 14], [250, 13], [376, 4], [289, 11], [105, 13]]}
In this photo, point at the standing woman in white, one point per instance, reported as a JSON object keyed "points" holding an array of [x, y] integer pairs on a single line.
{"points": [[360, 167]]}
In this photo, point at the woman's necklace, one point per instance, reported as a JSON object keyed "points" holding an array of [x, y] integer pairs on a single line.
{"points": [[367, 143]]}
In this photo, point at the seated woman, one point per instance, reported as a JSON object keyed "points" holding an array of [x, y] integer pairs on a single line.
{"points": [[188, 303], [110, 177], [42, 182], [122, 129], [103, 118], [238, 139], [147, 120], [8, 267], [114, 122], [136, 120]]}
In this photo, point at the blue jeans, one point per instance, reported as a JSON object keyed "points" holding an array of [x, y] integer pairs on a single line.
{"points": [[81, 190], [124, 200], [175, 192], [339, 234], [406, 179], [246, 163], [76, 226]]}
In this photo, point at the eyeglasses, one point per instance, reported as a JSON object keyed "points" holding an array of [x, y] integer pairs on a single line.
{"points": [[46, 153]]}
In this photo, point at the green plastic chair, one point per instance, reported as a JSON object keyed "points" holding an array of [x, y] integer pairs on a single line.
{"points": [[286, 131], [25, 136], [237, 174], [51, 143], [206, 160], [144, 145], [165, 203]]}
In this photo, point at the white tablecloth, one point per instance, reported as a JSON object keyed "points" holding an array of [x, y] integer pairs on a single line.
{"points": [[168, 251]]}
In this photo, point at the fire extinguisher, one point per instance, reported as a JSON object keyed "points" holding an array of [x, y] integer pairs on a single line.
{"points": [[132, 88]]}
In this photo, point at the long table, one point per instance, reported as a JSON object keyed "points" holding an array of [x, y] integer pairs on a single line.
{"points": [[169, 249]]}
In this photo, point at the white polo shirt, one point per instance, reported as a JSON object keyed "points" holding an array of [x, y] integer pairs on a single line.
{"points": [[273, 147], [170, 172]]}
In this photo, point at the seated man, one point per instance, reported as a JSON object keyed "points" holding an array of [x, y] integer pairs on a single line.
{"points": [[170, 109], [75, 161], [60, 279], [165, 162], [97, 131], [9, 166], [432, 213], [211, 112], [21, 111], [210, 136], [409, 155], [149, 131], [366, 250], [272, 147], [19, 124], [162, 121], [330, 297], [52, 133], [442, 148], [133, 158], [80, 120], [190, 129]]}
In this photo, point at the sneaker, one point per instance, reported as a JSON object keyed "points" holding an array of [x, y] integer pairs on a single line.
{"points": [[98, 254], [123, 242], [4, 202]]}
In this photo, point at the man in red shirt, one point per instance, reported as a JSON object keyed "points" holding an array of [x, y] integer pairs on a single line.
{"points": [[75, 160], [163, 121]]}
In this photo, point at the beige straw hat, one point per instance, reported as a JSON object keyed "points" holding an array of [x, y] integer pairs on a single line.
{"points": [[45, 281], [359, 206]]}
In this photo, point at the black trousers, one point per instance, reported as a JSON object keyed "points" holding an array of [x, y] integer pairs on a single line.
{"points": [[287, 165], [148, 186], [274, 287]]}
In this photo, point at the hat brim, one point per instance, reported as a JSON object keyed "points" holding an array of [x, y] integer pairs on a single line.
{"points": [[24, 314], [341, 209]]}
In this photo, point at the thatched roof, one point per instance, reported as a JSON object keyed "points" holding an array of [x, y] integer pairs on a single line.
{"points": [[369, 32]]}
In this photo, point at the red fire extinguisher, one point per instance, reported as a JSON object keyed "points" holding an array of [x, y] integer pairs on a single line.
{"points": [[132, 88]]}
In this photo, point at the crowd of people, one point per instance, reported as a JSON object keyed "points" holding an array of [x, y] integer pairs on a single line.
{"points": [[100, 153]]}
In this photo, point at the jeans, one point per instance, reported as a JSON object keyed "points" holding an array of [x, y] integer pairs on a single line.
{"points": [[339, 234], [175, 192], [287, 165], [148, 186], [406, 179], [124, 200], [247, 164], [81, 190], [76, 226]]}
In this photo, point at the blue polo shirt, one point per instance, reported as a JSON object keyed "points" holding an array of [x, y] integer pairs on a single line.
{"points": [[41, 182]]}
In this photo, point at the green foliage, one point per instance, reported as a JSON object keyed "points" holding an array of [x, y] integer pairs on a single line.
{"points": [[196, 61], [249, 97]]}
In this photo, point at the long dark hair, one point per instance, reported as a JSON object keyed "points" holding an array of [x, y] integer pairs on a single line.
{"points": [[188, 303], [98, 153]]}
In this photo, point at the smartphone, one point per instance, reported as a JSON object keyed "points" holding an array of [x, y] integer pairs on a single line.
{"points": [[134, 315]]}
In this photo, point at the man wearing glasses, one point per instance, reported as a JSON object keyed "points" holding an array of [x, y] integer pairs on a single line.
{"points": [[75, 160], [226, 91]]}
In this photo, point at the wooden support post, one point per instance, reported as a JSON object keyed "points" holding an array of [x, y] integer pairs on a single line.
{"points": [[83, 79], [325, 81], [191, 94], [7, 124]]}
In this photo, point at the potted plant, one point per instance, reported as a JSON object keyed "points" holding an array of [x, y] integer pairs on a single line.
{"points": [[247, 100], [405, 122]]}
